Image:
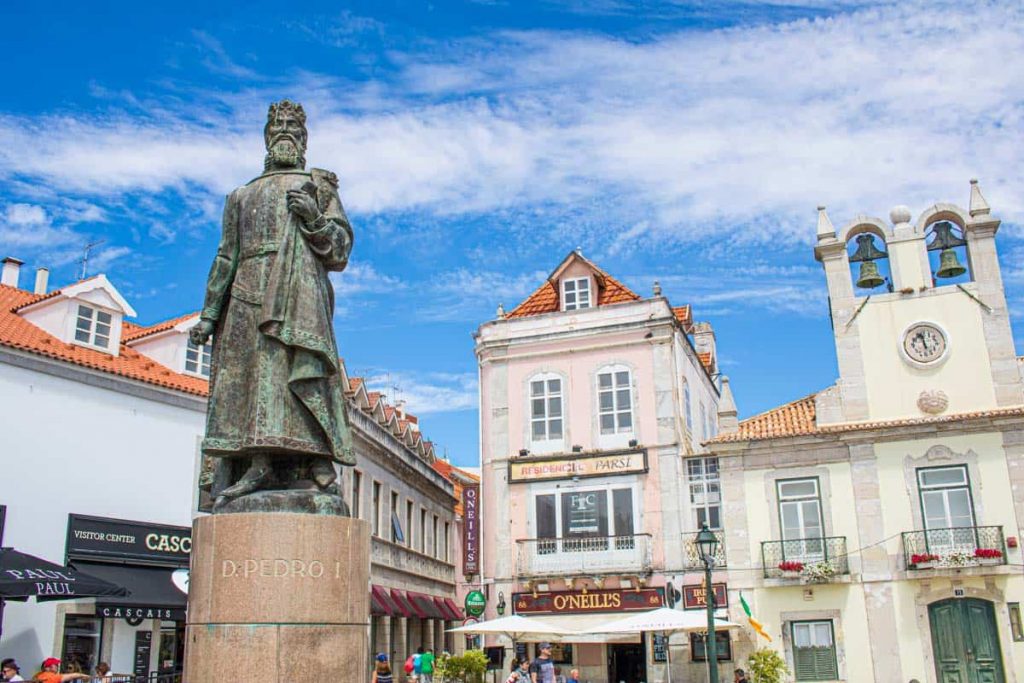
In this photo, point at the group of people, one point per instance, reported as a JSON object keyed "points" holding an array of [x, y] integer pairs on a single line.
{"points": [[49, 672], [540, 670], [419, 668]]}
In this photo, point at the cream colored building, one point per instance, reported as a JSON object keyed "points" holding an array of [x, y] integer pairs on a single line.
{"points": [[874, 526]]}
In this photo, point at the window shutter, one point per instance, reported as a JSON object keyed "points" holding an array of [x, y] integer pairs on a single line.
{"points": [[815, 664]]}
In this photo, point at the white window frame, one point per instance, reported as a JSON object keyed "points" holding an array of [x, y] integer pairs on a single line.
{"points": [[92, 318], [805, 548], [547, 444], [813, 630], [201, 356], [576, 294], [943, 540], [610, 547], [620, 436], [698, 484]]}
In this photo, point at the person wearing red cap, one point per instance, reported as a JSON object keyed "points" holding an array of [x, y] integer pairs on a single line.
{"points": [[51, 673]]}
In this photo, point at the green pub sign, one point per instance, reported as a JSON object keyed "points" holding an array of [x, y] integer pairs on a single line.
{"points": [[475, 603]]}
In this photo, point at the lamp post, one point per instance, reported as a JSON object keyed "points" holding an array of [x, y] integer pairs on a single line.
{"points": [[707, 544], [501, 604]]}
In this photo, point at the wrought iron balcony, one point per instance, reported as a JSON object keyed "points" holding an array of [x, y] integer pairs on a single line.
{"points": [[691, 553], [956, 547], [814, 559], [583, 555]]}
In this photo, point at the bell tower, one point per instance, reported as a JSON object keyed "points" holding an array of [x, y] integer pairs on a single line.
{"points": [[919, 315]]}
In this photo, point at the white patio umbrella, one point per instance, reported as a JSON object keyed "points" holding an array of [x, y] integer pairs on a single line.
{"points": [[667, 621], [514, 627]]}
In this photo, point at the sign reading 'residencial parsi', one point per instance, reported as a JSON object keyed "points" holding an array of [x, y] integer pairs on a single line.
{"points": [[578, 465]]}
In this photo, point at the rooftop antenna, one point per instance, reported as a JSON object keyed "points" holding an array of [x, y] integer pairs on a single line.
{"points": [[85, 257]]}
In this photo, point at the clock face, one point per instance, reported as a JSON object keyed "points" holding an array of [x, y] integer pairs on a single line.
{"points": [[924, 343]]}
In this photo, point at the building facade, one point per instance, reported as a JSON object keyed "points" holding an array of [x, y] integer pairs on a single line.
{"points": [[594, 402], [874, 526], [102, 421]]}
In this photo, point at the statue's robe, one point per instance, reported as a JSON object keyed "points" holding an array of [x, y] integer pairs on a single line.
{"points": [[275, 383]]}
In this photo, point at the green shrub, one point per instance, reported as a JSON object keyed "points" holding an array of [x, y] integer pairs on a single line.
{"points": [[466, 668], [766, 666]]}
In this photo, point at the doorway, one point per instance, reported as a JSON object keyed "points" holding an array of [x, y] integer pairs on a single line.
{"points": [[965, 641], [627, 663]]}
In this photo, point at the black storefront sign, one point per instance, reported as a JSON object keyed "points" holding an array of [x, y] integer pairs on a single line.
{"points": [[120, 540], [135, 613], [143, 645], [659, 646]]}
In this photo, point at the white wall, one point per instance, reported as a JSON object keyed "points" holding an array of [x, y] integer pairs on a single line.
{"points": [[66, 446]]}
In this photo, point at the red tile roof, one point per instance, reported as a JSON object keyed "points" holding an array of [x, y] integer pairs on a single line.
{"points": [[445, 468], [545, 298], [140, 331], [706, 360], [18, 333], [684, 314]]}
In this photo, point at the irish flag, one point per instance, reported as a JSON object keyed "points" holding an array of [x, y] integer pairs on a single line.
{"points": [[754, 623]]}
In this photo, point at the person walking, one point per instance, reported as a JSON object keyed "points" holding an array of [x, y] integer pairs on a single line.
{"points": [[9, 671], [543, 668], [741, 676], [417, 663], [50, 673], [382, 670], [574, 676], [427, 666], [520, 672]]}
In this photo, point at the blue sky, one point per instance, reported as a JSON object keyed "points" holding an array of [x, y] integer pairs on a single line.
{"points": [[478, 142]]}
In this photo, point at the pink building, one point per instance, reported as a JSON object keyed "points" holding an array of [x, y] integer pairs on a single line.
{"points": [[593, 404]]}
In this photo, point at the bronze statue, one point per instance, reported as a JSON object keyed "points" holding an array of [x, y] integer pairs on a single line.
{"points": [[276, 417]]}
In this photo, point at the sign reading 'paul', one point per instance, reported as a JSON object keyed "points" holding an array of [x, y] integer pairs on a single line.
{"points": [[582, 465], [577, 602]]}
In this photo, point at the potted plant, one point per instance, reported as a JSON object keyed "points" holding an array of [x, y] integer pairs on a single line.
{"points": [[791, 569], [988, 555], [923, 560], [819, 572], [767, 666], [957, 558]]}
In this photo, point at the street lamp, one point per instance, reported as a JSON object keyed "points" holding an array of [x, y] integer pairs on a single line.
{"points": [[707, 544], [501, 604]]}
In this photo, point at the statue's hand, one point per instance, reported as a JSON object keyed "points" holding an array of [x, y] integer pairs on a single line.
{"points": [[201, 332], [302, 205]]}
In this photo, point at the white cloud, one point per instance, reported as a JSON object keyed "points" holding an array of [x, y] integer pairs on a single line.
{"points": [[26, 214], [426, 393], [360, 277]]}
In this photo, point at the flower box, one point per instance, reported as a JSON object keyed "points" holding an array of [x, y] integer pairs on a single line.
{"points": [[989, 561], [790, 574], [988, 556], [930, 564], [924, 561], [791, 569]]}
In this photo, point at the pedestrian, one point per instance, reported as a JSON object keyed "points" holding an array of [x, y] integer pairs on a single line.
{"points": [[101, 674], [741, 676], [417, 663], [9, 670], [520, 672], [543, 669], [574, 676], [427, 666], [50, 673], [382, 670], [559, 678]]}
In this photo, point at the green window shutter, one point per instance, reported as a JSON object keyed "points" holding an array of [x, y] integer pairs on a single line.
{"points": [[815, 664]]}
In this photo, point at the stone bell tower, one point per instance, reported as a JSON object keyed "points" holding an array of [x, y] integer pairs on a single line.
{"points": [[922, 329]]}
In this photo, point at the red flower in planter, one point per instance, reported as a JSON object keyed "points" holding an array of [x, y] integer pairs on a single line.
{"points": [[988, 553], [791, 566], [923, 557]]}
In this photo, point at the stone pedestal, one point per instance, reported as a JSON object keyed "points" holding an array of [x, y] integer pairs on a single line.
{"points": [[278, 597]]}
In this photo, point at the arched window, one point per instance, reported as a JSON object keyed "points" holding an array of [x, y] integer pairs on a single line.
{"points": [[947, 253], [869, 263], [546, 410]]}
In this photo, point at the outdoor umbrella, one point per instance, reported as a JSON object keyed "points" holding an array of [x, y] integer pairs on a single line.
{"points": [[663, 620], [24, 576], [515, 628]]}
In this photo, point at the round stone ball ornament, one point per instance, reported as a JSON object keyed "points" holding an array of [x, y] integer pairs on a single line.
{"points": [[925, 343]]}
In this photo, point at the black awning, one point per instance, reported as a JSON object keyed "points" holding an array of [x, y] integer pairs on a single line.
{"points": [[154, 593]]}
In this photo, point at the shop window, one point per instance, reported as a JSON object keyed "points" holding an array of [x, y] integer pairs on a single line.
{"points": [[198, 358], [615, 400], [705, 491], [81, 642], [546, 411], [561, 653], [814, 651], [585, 520], [93, 327], [172, 647], [699, 650], [576, 294]]}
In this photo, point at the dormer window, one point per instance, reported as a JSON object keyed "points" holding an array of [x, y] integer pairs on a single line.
{"points": [[576, 294], [93, 326], [197, 358]]}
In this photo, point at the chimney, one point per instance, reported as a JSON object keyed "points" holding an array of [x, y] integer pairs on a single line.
{"points": [[42, 280], [400, 408], [704, 341], [12, 269]]}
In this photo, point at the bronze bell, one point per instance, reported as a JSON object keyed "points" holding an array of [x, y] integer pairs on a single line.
{"points": [[869, 276], [949, 265]]}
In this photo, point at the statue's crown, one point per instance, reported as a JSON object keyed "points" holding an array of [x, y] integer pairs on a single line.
{"points": [[287, 107]]}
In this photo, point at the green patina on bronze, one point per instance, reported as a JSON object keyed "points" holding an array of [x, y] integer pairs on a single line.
{"points": [[276, 419]]}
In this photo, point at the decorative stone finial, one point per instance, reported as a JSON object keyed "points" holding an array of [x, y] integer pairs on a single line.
{"points": [[579, 251], [657, 288], [501, 311], [979, 207], [825, 227], [727, 422], [899, 214]]}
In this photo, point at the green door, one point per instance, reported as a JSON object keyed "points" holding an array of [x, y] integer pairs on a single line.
{"points": [[965, 641]]}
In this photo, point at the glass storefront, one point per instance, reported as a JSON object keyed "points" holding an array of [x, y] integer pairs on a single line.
{"points": [[81, 647]]}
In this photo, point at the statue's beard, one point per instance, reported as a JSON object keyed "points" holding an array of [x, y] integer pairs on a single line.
{"points": [[284, 153]]}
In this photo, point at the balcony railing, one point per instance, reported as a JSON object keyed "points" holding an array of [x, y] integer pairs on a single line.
{"points": [[817, 559], [691, 554], [583, 555], [965, 546]]}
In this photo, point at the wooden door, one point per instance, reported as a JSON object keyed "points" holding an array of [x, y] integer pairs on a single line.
{"points": [[965, 641]]}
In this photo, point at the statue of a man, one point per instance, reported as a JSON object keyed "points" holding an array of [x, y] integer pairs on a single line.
{"points": [[276, 416]]}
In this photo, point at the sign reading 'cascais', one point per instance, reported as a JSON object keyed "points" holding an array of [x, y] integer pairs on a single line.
{"points": [[577, 602], [98, 537], [582, 465]]}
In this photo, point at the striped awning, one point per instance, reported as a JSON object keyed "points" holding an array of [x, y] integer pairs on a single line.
{"points": [[381, 603], [424, 606], [405, 606]]}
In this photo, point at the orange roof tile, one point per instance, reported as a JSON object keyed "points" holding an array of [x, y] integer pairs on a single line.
{"points": [[140, 331], [31, 298], [706, 360], [354, 383], [545, 298], [18, 333], [684, 314]]}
